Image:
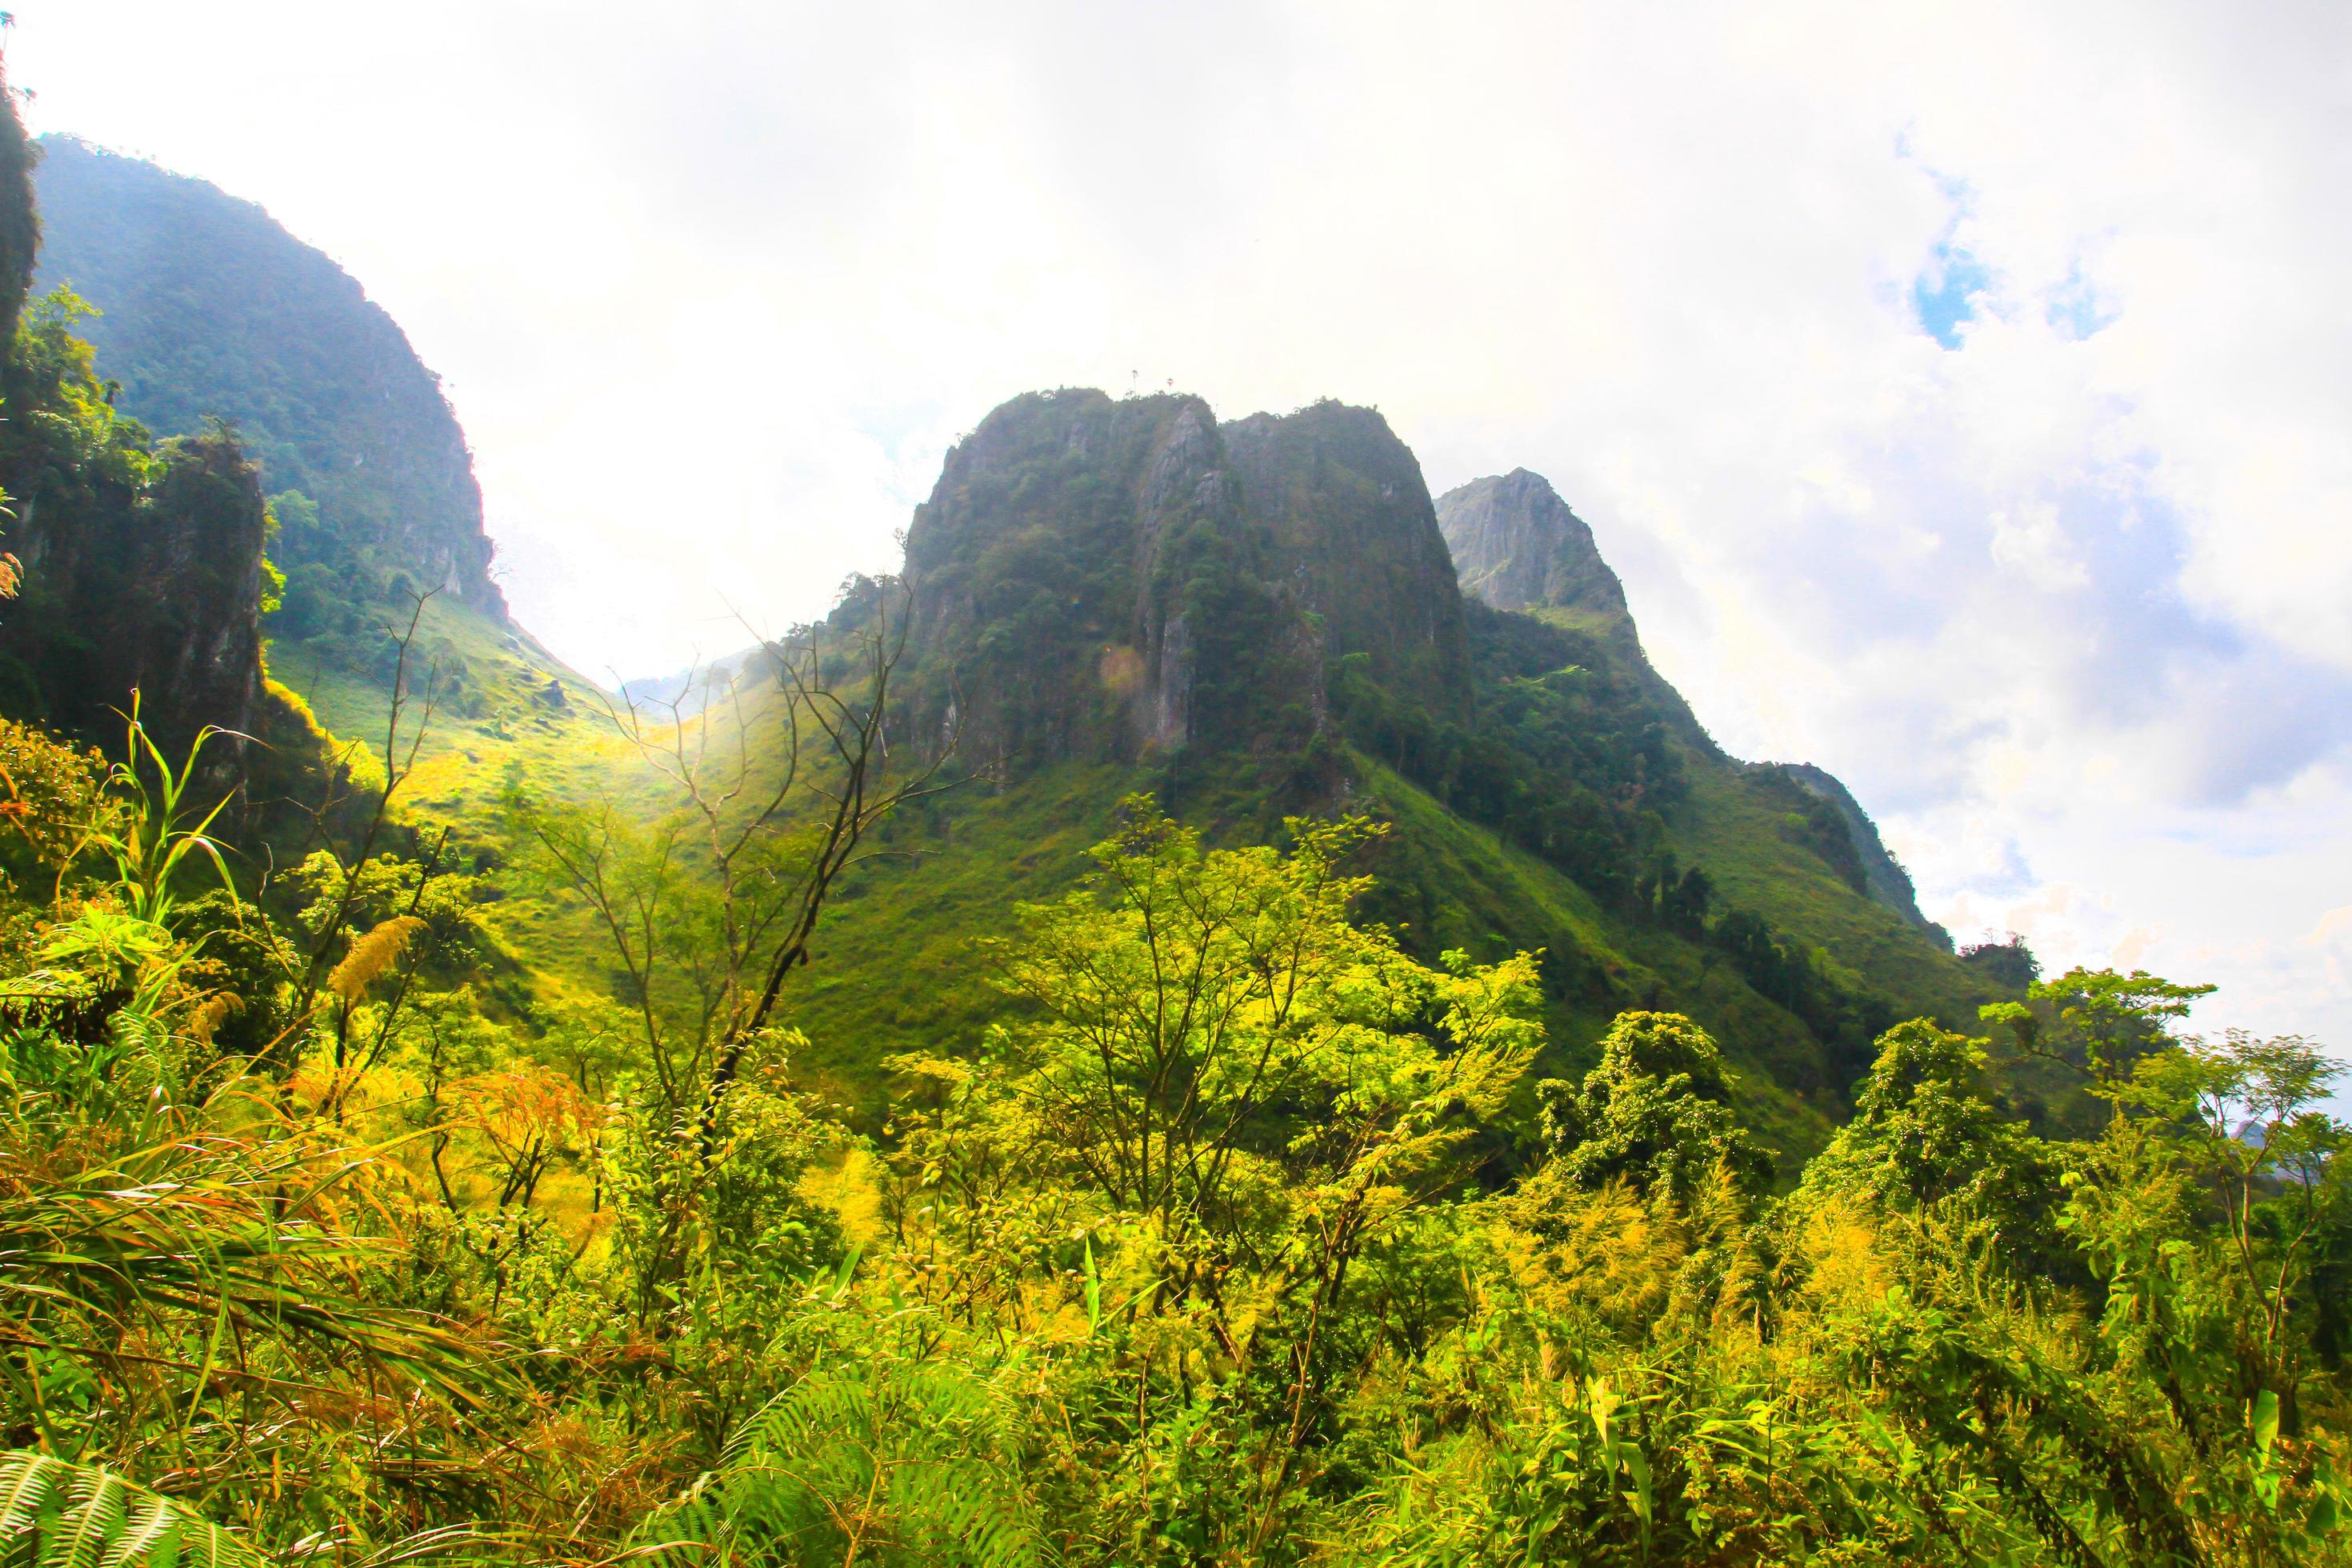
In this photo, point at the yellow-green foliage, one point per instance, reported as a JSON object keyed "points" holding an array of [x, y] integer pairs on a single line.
{"points": [[1240, 1236], [369, 957], [53, 792]]}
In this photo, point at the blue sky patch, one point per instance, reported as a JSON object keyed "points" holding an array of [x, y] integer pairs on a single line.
{"points": [[1945, 295]]}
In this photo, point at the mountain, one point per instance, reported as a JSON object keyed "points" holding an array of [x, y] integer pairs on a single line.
{"points": [[209, 309], [1262, 617], [215, 324], [1519, 547], [1249, 619]]}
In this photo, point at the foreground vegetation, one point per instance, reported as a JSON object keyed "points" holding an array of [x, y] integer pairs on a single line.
{"points": [[1246, 1239]]}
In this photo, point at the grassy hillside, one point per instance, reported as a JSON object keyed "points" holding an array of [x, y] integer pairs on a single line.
{"points": [[905, 961]]}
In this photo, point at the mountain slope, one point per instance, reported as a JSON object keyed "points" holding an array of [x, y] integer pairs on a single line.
{"points": [[210, 309]]}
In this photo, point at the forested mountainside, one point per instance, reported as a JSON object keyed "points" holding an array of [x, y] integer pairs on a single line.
{"points": [[1260, 616], [212, 317], [208, 309], [1164, 1034]]}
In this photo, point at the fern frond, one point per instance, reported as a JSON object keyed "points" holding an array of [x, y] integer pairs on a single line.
{"points": [[911, 1450], [57, 1514]]}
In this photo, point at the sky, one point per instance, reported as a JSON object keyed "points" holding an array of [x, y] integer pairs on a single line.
{"points": [[1964, 392]]}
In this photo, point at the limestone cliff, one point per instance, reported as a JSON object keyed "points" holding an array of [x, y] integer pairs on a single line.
{"points": [[1518, 546], [1116, 577]]}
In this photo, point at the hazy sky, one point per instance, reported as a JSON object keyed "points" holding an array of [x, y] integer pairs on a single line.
{"points": [[1965, 393]]}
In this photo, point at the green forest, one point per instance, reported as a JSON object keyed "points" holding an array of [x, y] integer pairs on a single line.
{"points": [[1094, 1054]]}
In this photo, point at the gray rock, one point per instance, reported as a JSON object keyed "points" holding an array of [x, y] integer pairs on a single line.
{"points": [[1518, 546]]}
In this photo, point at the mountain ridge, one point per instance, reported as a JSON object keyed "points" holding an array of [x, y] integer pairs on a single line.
{"points": [[1518, 546], [1260, 616]]}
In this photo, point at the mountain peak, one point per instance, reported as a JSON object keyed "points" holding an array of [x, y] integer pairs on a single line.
{"points": [[1518, 546], [1121, 575]]}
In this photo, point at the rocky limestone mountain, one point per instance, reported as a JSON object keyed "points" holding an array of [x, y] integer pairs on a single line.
{"points": [[208, 307], [1518, 546], [1118, 578], [1260, 617]]}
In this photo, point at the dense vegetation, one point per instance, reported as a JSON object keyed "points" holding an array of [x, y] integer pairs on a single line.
{"points": [[1246, 1238], [143, 560]]}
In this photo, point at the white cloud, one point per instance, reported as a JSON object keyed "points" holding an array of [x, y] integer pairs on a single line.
{"points": [[2070, 604]]}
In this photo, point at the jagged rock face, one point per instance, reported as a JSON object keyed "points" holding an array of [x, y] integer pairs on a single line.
{"points": [[1037, 619], [192, 627], [1351, 519], [210, 307], [159, 591], [1108, 577], [1518, 546]]}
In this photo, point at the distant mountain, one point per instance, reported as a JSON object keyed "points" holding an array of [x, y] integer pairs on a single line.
{"points": [[1518, 546], [1250, 618], [210, 309]]}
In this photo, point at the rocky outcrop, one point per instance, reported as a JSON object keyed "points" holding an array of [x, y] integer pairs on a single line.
{"points": [[1518, 546], [157, 589], [1116, 577], [1351, 524]]}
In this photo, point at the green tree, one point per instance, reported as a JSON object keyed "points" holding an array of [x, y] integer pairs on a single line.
{"points": [[1657, 1110], [2098, 1024], [1922, 1129]]}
